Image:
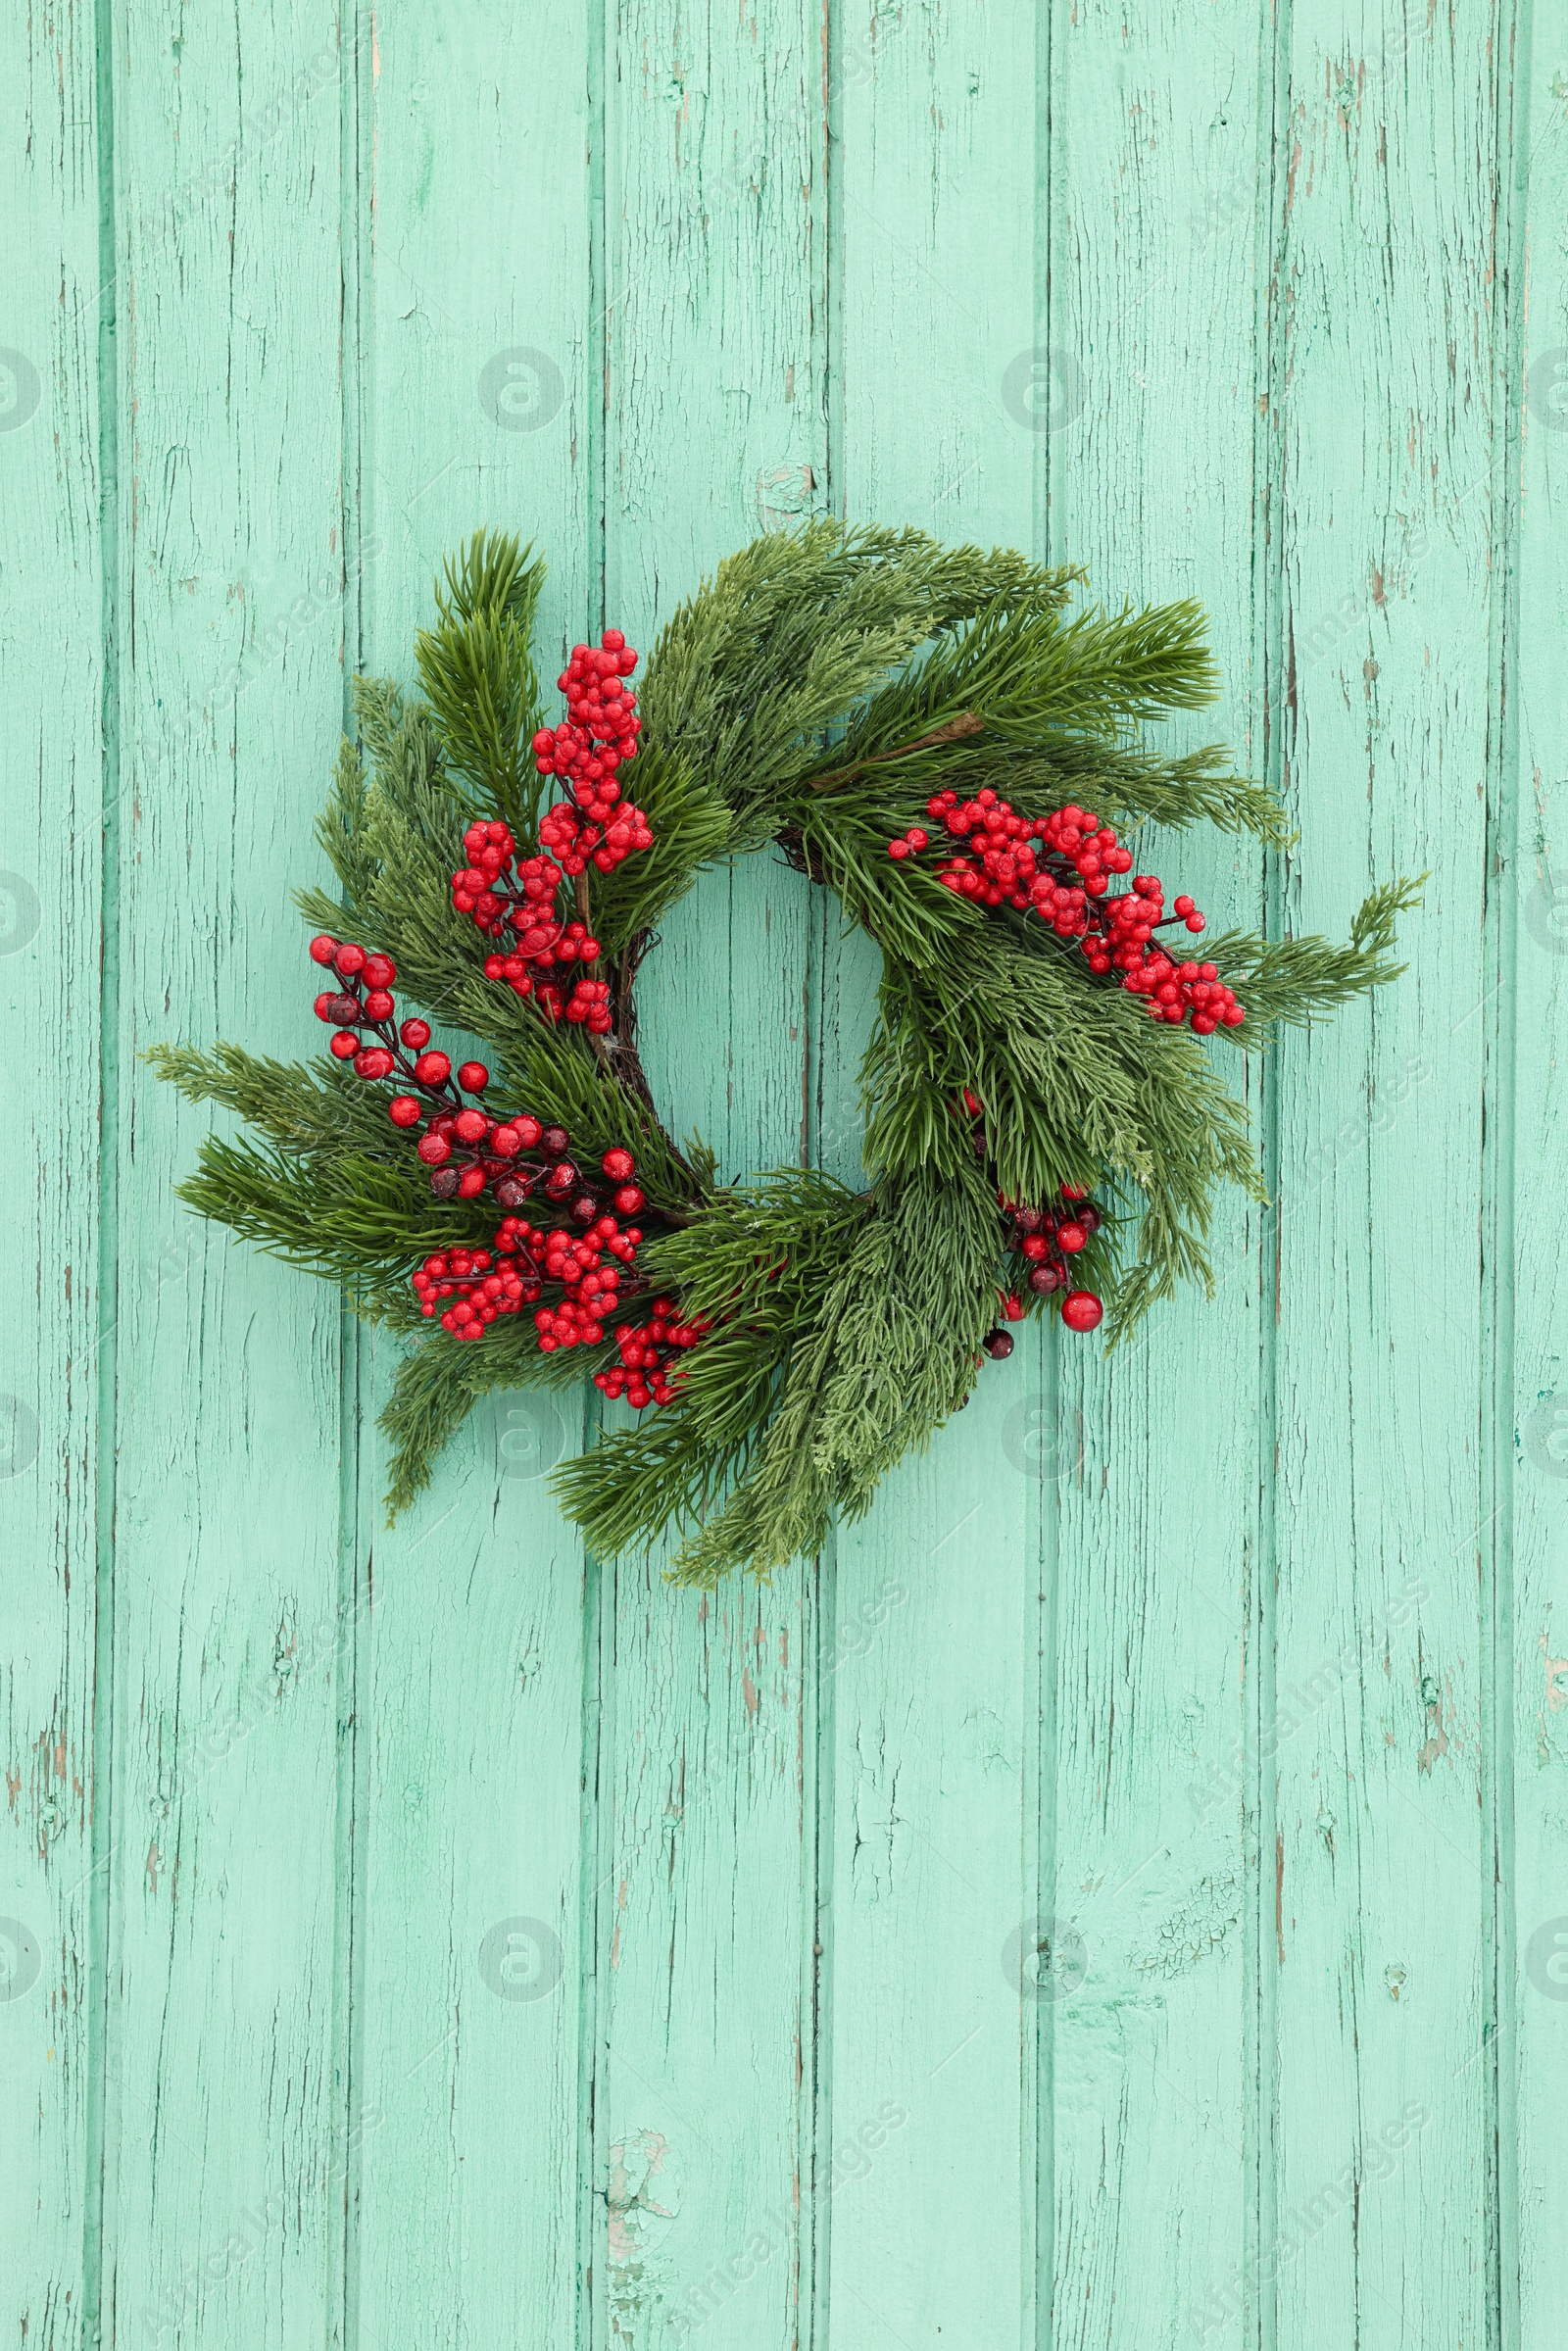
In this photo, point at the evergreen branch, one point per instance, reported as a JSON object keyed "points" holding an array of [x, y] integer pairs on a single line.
{"points": [[817, 691], [477, 672], [362, 1232], [1290, 981], [321, 1117]]}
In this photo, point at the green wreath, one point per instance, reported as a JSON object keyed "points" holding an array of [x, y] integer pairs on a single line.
{"points": [[931, 733]]}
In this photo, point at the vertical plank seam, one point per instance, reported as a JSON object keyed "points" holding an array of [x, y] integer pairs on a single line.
{"points": [[1038, 1868], [814, 2226], [598, 1577], [98, 2201], [1275, 670], [350, 1654], [814, 2249], [1512, 57]]}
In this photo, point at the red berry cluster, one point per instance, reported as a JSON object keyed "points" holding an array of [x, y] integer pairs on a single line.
{"points": [[1059, 867], [593, 826], [464, 1147], [481, 1289], [467, 1149], [641, 1375], [1045, 1238]]}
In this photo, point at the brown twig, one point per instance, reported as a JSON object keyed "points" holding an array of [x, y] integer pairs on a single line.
{"points": [[968, 723], [617, 1053]]}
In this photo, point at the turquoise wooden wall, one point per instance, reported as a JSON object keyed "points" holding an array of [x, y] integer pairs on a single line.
{"points": [[1117, 1897]]}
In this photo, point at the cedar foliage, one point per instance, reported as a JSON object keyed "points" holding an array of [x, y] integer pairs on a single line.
{"points": [[813, 693]]}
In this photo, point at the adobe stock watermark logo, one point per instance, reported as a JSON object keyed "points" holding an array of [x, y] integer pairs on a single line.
{"points": [[1035, 1444], [521, 389], [20, 1960], [19, 389], [1547, 1959], [1546, 1436], [532, 1434], [1546, 914], [1546, 389], [1045, 1959], [19, 1436], [1044, 389], [21, 914], [1223, 209], [521, 1959]]}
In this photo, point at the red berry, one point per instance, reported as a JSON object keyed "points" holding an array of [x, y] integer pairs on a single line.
{"points": [[1071, 1236], [618, 1164], [323, 1006], [528, 1131], [1081, 1310], [344, 1045], [998, 1344], [350, 959], [473, 1077], [379, 971], [403, 1110], [629, 1199], [432, 1069], [468, 1126], [378, 1004], [373, 1062], [434, 1149], [415, 1034], [323, 948], [506, 1142]]}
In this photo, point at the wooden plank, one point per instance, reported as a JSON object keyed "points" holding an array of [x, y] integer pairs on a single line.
{"points": [[479, 358], [221, 2207], [1529, 789], [930, 1666], [50, 881], [1159, 231], [1390, 433], [699, 1881]]}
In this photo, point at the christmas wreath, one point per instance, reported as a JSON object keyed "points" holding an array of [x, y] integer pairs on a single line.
{"points": [[936, 736]]}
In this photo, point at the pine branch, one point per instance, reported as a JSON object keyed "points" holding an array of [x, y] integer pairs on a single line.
{"points": [[364, 1232], [1290, 981], [323, 1118], [477, 672], [435, 1388]]}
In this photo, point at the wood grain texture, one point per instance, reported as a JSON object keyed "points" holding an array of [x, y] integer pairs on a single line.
{"points": [[51, 656], [1530, 1359], [479, 374], [1159, 222], [222, 2123], [933, 1669], [1116, 1894], [1389, 446], [702, 2032]]}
